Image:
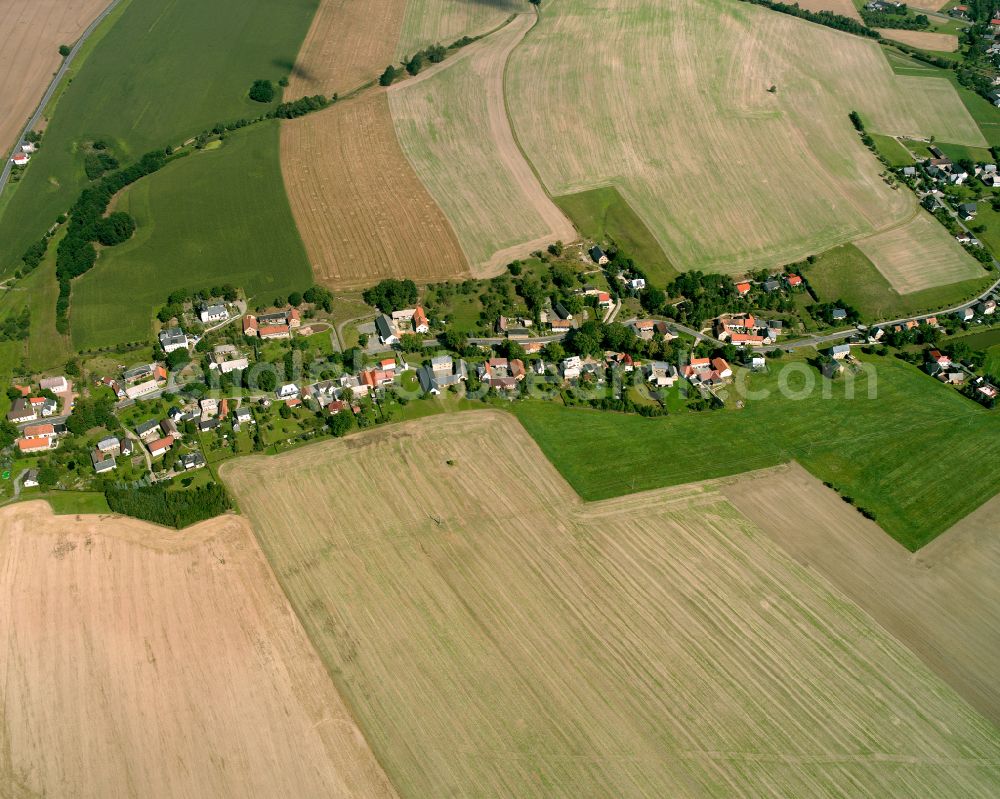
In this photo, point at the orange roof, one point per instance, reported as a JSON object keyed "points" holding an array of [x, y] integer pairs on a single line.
{"points": [[720, 364], [419, 317], [271, 330], [700, 361], [293, 313], [291, 403], [224, 408], [161, 443], [37, 400], [794, 280], [388, 363], [26, 445], [249, 323], [39, 430], [742, 338], [25, 390], [743, 288]]}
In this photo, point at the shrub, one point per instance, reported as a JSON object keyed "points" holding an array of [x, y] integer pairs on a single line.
{"points": [[262, 91]]}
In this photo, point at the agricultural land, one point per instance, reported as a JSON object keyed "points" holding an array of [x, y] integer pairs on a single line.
{"points": [[753, 194], [453, 126], [29, 54], [943, 602], [108, 688], [428, 22], [494, 635], [363, 213]]}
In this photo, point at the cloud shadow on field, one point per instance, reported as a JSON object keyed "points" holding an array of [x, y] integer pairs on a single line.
{"points": [[293, 69]]}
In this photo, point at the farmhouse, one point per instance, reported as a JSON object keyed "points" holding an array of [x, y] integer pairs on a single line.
{"points": [[212, 313], [746, 330], [57, 385], [160, 446], [102, 461], [148, 429], [707, 371], [793, 280], [501, 374], [410, 320], [386, 330], [840, 351], [22, 411], [442, 373], [226, 358], [599, 256], [173, 338], [287, 391], [20, 158], [276, 325], [986, 307], [661, 374]]}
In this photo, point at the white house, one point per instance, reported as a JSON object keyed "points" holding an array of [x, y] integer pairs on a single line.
{"points": [[56, 385], [571, 367], [840, 351], [287, 391], [21, 159], [661, 374], [213, 313], [173, 338]]}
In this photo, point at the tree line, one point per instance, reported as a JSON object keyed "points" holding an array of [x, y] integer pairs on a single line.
{"points": [[827, 18], [170, 508]]}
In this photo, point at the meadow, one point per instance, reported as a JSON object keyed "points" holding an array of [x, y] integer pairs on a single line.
{"points": [[452, 124], [915, 455], [604, 215], [114, 620], [217, 216], [729, 184], [363, 213], [159, 75], [847, 274], [494, 636], [919, 255]]}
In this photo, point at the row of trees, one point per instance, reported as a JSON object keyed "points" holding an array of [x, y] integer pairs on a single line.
{"points": [[827, 18]]}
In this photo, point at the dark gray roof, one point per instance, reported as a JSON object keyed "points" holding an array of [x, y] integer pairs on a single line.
{"points": [[145, 427], [383, 324]]}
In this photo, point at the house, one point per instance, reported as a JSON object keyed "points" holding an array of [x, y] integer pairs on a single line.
{"points": [[931, 321], [952, 377], [22, 411], [561, 312], [876, 335], [205, 425], [757, 361], [932, 203], [598, 255], [287, 391], [243, 415], [209, 408], [637, 284], [374, 378], [275, 325], [909, 171], [213, 313], [226, 358], [173, 338], [838, 314], [621, 360], [109, 445], [661, 374], [560, 325], [413, 319], [518, 333], [354, 385], [959, 12], [103, 461], [986, 307], [793, 280], [36, 444], [644, 328], [604, 300], [30, 479], [442, 373], [501, 374], [57, 385], [126, 445], [170, 428], [840, 351], [336, 407], [20, 158], [938, 359], [33, 431], [771, 285], [707, 371], [148, 430], [138, 373], [160, 446], [386, 329], [571, 367], [967, 211], [191, 460], [958, 176], [965, 314], [743, 289]]}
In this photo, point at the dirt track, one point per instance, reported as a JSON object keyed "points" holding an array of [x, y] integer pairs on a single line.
{"points": [[943, 601], [362, 212], [142, 662], [29, 53]]}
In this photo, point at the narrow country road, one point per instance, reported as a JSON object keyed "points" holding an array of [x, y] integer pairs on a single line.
{"points": [[60, 74]]}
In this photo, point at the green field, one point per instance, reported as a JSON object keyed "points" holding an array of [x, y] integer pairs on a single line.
{"points": [[890, 149], [848, 274], [73, 502], [984, 340], [164, 71], [217, 216], [604, 215], [918, 455]]}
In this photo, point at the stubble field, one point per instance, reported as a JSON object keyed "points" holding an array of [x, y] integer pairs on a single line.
{"points": [[363, 213], [429, 22], [726, 174], [29, 54], [942, 602], [919, 255], [926, 40], [452, 124], [495, 636], [140, 661]]}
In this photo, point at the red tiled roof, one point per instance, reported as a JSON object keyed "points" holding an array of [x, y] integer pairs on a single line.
{"points": [[39, 430], [161, 443], [743, 288], [26, 445]]}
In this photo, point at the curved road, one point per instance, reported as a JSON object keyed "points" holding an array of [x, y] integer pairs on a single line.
{"points": [[60, 74]]}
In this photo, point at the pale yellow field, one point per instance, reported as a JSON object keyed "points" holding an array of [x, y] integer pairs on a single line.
{"points": [[919, 255], [928, 40], [943, 602], [29, 54], [452, 124], [443, 21], [845, 8], [143, 662], [727, 175], [496, 637]]}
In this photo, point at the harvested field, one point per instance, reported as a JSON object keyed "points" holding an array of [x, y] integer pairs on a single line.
{"points": [[452, 124], [495, 636], [942, 602], [363, 213], [140, 661], [927, 40], [919, 255], [430, 22], [845, 8], [929, 5], [29, 54], [349, 43], [744, 177]]}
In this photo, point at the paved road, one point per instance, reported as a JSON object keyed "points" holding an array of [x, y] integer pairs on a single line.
{"points": [[60, 74]]}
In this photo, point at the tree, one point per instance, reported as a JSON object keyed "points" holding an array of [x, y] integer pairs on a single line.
{"points": [[340, 423], [387, 77], [284, 411], [65, 50], [8, 433], [391, 295], [262, 91], [652, 299], [177, 358], [47, 477], [554, 351], [295, 298]]}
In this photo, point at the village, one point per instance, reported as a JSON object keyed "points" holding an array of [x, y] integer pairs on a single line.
{"points": [[224, 381]]}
